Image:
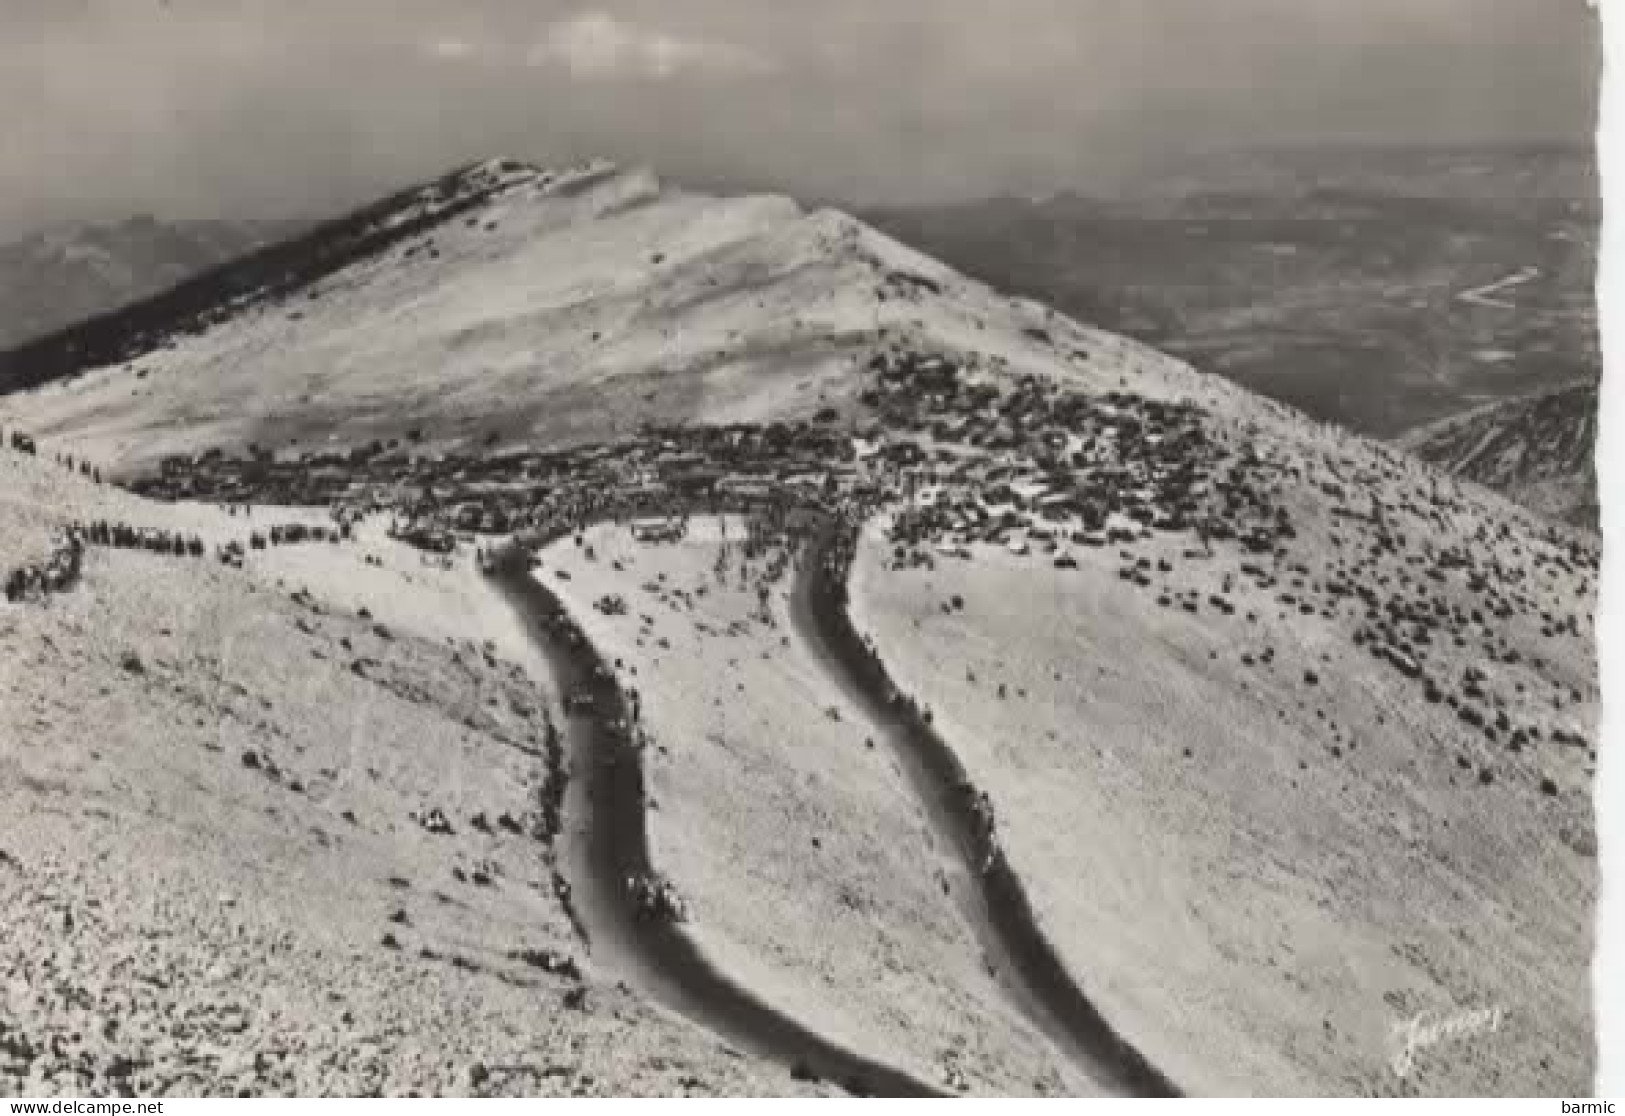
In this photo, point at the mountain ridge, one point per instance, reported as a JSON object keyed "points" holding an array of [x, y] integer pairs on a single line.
{"points": [[1537, 448], [441, 296]]}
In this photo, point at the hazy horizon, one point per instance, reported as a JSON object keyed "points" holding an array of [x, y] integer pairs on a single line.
{"points": [[249, 109]]}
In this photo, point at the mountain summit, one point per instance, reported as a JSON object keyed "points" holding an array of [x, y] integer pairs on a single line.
{"points": [[509, 304]]}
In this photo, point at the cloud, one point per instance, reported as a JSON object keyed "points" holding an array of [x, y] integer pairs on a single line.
{"points": [[450, 50], [597, 46]]}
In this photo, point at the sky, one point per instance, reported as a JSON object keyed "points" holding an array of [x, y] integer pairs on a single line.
{"points": [[300, 107]]}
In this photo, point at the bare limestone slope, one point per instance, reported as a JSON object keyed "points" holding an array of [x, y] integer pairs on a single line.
{"points": [[1274, 802], [512, 305], [255, 842]]}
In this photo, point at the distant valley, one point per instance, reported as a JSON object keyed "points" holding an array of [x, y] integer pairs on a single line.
{"points": [[1382, 291]]}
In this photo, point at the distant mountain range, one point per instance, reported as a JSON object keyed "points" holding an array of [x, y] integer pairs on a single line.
{"points": [[1507, 176], [67, 273]]}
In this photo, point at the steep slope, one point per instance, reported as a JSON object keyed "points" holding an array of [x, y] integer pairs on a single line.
{"points": [[1538, 449], [508, 305], [217, 885], [63, 275], [1290, 737], [763, 772], [1311, 763]]}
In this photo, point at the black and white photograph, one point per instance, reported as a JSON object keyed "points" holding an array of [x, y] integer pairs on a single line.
{"points": [[735, 548]]}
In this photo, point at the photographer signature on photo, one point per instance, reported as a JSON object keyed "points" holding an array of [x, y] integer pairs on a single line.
{"points": [[1423, 1031]]}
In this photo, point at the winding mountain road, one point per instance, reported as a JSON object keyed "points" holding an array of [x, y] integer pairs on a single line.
{"points": [[606, 841], [1483, 296]]}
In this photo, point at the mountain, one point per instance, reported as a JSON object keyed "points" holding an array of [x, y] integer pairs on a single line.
{"points": [[506, 305], [1378, 290], [62, 275], [892, 686], [1538, 449]]}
